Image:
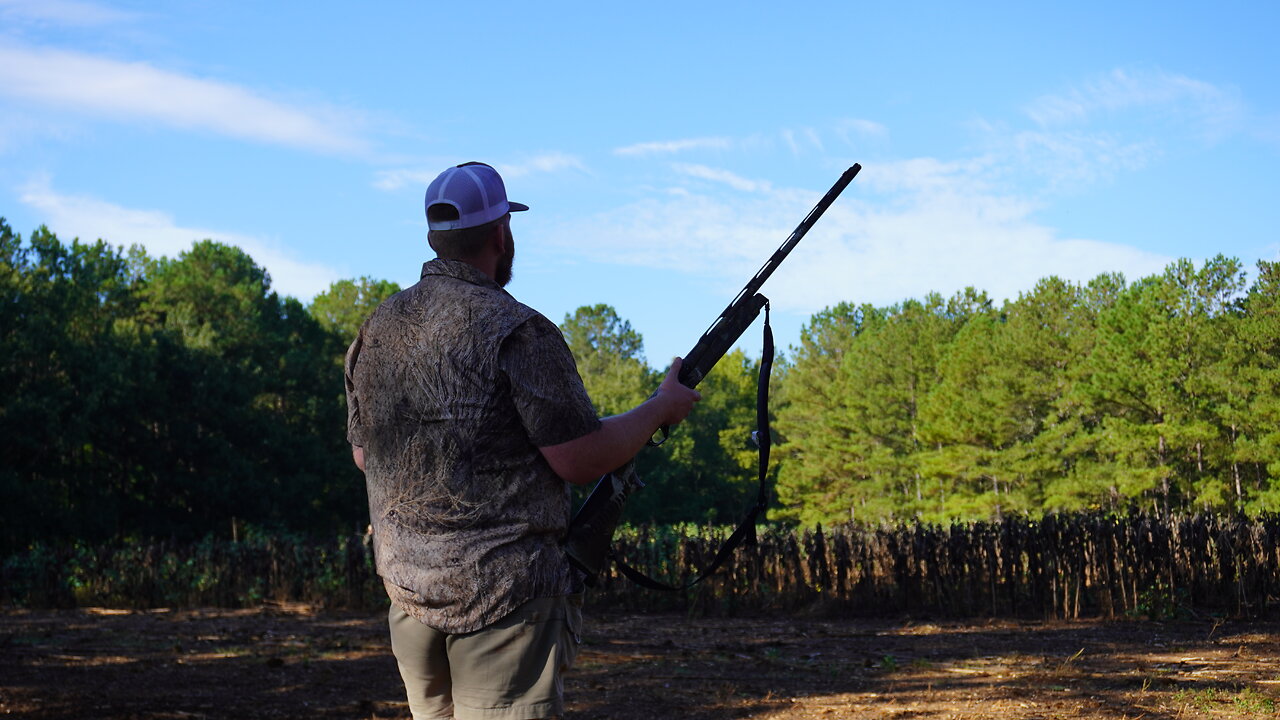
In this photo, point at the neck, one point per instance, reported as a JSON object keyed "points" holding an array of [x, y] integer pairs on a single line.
{"points": [[486, 265]]}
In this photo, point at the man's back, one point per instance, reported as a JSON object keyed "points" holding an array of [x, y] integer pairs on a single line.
{"points": [[467, 415], [454, 385]]}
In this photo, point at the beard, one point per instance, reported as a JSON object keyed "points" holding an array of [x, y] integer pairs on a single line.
{"points": [[503, 272]]}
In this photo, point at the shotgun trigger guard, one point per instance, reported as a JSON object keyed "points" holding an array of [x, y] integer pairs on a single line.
{"points": [[651, 442]]}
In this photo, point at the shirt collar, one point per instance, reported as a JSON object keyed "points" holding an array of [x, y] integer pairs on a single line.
{"points": [[457, 270]]}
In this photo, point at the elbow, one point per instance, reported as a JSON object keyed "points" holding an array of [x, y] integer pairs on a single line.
{"points": [[572, 461], [582, 478], [573, 473]]}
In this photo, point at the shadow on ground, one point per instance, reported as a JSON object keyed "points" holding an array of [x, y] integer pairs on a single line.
{"points": [[287, 662]]}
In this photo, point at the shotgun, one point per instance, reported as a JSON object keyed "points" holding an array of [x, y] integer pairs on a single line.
{"points": [[591, 529]]}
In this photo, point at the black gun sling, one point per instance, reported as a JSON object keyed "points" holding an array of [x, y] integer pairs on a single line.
{"points": [[746, 530]]}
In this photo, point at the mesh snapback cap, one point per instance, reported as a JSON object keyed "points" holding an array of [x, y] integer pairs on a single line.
{"points": [[467, 195]]}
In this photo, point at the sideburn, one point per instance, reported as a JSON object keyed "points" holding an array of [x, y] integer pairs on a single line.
{"points": [[506, 263]]}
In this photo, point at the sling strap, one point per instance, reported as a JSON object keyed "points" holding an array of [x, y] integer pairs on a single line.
{"points": [[746, 530]]}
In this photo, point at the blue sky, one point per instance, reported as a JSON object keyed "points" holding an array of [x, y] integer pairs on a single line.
{"points": [[666, 148]]}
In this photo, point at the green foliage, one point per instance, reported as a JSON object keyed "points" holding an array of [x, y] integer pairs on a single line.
{"points": [[1163, 394], [610, 358], [343, 308], [851, 413], [162, 398], [182, 398], [707, 470], [1250, 380], [813, 422], [1155, 386], [703, 472], [209, 571], [1160, 602]]}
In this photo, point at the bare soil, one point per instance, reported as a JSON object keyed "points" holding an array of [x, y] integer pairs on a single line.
{"points": [[295, 662]]}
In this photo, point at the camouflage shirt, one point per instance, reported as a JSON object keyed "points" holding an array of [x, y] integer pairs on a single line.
{"points": [[452, 386]]}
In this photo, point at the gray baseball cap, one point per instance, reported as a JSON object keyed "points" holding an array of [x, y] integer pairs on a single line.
{"points": [[467, 195]]}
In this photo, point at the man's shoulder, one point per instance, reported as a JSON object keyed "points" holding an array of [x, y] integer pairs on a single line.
{"points": [[436, 291], [534, 327], [488, 311]]}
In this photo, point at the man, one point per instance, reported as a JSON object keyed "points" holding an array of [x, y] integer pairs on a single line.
{"points": [[468, 418]]}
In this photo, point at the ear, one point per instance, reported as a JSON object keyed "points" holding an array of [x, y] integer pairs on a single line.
{"points": [[498, 240]]}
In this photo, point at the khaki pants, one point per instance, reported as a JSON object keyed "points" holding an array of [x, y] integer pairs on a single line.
{"points": [[512, 669]]}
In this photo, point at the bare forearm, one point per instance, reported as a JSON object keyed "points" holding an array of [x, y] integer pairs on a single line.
{"points": [[620, 437], [630, 431], [618, 440]]}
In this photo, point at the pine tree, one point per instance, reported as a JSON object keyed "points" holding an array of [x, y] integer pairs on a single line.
{"points": [[1150, 385], [1250, 414]]}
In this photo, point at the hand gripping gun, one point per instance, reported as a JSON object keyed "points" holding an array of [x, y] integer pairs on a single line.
{"points": [[592, 527]]}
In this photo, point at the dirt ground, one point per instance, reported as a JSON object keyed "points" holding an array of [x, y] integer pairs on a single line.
{"points": [[292, 662]]}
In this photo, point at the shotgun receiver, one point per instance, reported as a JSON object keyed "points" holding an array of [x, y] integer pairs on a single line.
{"points": [[591, 530]]}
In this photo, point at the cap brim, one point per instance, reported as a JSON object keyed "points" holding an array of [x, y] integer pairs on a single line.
{"points": [[516, 207]]}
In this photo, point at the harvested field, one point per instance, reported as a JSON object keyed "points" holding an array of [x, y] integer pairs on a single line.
{"points": [[293, 662]]}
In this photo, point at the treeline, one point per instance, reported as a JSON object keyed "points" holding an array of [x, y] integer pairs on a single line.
{"points": [[182, 398], [1160, 396], [176, 398]]}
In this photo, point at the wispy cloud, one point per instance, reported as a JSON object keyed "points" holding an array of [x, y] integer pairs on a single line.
{"points": [[1116, 123], [916, 225], [392, 180], [850, 127], [934, 226], [789, 137], [1067, 159], [90, 219], [737, 182], [1213, 110], [849, 131], [68, 13], [139, 92], [398, 178], [799, 140], [546, 163], [669, 147], [944, 229], [19, 129]]}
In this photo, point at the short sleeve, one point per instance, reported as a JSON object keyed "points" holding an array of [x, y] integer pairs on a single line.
{"points": [[548, 393], [355, 427]]}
